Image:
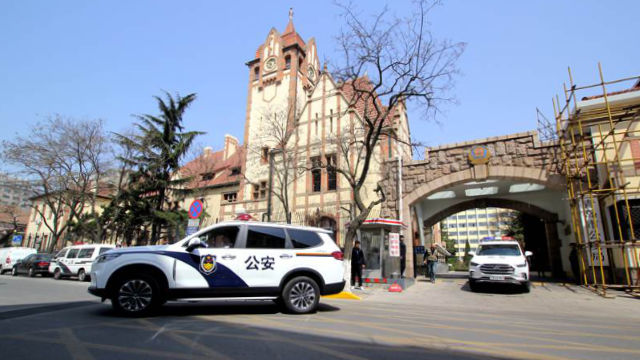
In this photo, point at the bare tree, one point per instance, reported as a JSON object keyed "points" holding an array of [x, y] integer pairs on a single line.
{"points": [[387, 62], [277, 140], [58, 155]]}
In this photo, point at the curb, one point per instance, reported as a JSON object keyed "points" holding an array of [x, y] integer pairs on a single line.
{"points": [[343, 295]]}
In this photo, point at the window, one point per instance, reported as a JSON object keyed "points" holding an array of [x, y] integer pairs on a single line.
{"points": [[260, 190], [103, 250], [60, 253], [264, 155], [208, 176], [265, 237], [221, 238], [256, 73], [85, 253], [72, 253], [304, 239], [235, 171], [287, 62], [231, 197], [331, 121], [331, 172], [316, 174], [316, 123]]}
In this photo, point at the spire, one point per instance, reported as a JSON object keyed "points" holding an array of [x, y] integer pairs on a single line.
{"points": [[290, 28]]}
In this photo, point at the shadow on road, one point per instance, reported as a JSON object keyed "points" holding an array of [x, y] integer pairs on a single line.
{"points": [[497, 289], [210, 308]]}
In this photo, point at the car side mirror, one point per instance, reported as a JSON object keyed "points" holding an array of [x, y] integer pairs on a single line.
{"points": [[195, 243], [528, 253]]}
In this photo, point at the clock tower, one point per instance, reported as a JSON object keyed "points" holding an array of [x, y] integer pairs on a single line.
{"points": [[283, 72]]}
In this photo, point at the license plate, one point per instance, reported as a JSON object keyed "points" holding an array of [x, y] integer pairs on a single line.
{"points": [[496, 277]]}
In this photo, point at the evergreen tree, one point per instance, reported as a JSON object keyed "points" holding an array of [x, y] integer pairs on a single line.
{"points": [[467, 256], [149, 201]]}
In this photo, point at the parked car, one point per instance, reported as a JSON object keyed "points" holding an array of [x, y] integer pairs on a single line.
{"points": [[9, 256], [291, 265], [499, 262], [76, 260], [32, 265]]}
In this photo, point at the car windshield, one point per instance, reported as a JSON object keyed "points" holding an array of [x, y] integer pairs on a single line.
{"points": [[502, 250]]}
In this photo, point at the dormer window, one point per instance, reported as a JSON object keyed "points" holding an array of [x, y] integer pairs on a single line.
{"points": [[287, 62], [208, 176], [235, 171]]}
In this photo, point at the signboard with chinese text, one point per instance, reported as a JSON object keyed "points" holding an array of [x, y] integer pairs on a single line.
{"points": [[394, 244]]}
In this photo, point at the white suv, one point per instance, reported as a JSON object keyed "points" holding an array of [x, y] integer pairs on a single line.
{"points": [[499, 262], [289, 264]]}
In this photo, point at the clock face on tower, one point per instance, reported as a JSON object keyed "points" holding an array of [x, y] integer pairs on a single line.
{"points": [[270, 64], [311, 72]]}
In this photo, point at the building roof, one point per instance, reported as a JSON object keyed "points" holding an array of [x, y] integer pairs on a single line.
{"points": [[214, 162], [360, 102], [635, 87]]}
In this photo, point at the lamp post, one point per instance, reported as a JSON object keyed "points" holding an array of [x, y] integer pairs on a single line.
{"points": [[272, 152]]}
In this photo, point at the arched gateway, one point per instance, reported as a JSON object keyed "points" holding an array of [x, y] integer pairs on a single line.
{"points": [[514, 171]]}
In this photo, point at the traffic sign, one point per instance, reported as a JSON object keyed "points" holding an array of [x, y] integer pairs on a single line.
{"points": [[196, 209]]}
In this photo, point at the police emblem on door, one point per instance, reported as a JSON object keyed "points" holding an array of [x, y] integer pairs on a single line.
{"points": [[207, 264]]}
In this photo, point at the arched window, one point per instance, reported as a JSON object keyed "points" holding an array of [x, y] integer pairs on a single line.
{"points": [[256, 73]]}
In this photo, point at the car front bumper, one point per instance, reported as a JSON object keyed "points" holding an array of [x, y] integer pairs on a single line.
{"points": [[101, 293], [515, 278]]}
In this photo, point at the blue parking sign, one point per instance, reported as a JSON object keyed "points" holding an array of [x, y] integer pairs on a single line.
{"points": [[17, 239]]}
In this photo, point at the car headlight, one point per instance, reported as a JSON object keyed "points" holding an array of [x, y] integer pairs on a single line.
{"points": [[106, 257], [522, 265], [473, 264]]}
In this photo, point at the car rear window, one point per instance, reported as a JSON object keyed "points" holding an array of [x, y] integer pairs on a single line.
{"points": [[85, 253], [72, 253], [103, 250], [265, 237], [304, 238]]}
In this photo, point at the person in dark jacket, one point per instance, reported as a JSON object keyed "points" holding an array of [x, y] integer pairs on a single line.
{"points": [[357, 264], [403, 256]]}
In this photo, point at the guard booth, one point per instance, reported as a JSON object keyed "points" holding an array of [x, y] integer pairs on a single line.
{"points": [[374, 240]]}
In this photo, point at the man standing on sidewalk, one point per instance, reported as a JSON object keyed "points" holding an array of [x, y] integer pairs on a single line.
{"points": [[357, 264], [431, 260], [403, 256]]}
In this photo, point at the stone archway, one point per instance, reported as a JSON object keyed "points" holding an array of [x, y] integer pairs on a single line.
{"points": [[550, 223]]}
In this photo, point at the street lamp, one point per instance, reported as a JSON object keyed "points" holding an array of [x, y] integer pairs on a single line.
{"points": [[272, 152]]}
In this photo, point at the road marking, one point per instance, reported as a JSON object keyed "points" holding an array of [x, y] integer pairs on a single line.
{"points": [[74, 345]]}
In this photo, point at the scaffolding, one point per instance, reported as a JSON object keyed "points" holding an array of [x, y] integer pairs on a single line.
{"points": [[599, 138]]}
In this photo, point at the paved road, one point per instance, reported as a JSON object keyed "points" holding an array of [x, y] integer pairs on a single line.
{"points": [[441, 321]]}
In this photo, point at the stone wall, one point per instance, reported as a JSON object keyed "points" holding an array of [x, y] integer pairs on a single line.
{"points": [[521, 150]]}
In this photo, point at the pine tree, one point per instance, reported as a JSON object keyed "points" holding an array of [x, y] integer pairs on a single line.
{"points": [[160, 144]]}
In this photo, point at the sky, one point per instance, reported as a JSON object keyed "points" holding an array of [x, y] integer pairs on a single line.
{"points": [[91, 59]]}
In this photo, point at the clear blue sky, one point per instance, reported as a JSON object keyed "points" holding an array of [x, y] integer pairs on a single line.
{"points": [[107, 59]]}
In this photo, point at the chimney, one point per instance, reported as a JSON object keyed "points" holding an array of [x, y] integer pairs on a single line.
{"points": [[230, 146], [207, 151]]}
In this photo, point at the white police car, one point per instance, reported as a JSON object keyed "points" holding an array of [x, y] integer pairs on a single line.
{"points": [[290, 264], [499, 261]]}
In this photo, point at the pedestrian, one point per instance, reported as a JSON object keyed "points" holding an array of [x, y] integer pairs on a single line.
{"points": [[573, 260], [403, 256], [357, 264], [431, 260]]}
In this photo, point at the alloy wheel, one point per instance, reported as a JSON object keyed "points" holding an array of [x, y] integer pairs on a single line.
{"points": [[135, 295], [302, 296]]}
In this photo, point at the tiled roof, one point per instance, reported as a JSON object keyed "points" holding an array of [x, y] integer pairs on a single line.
{"points": [[213, 163], [348, 90]]}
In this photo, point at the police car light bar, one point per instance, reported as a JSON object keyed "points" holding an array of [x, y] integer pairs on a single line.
{"points": [[493, 238]]}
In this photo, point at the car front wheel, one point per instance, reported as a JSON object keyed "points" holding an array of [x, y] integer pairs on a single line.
{"points": [[14, 271], [32, 273], [135, 295], [301, 295], [526, 287], [473, 285]]}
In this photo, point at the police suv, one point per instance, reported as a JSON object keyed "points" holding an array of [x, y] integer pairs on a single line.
{"points": [[499, 261], [289, 264]]}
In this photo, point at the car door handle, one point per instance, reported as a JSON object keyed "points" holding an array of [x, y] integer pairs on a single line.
{"points": [[228, 257], [286, 256]]}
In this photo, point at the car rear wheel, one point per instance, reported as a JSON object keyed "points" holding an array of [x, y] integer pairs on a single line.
{"points": [[57, 274], [82, 275], [136, 295], [301, 295], [31, 273]]}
